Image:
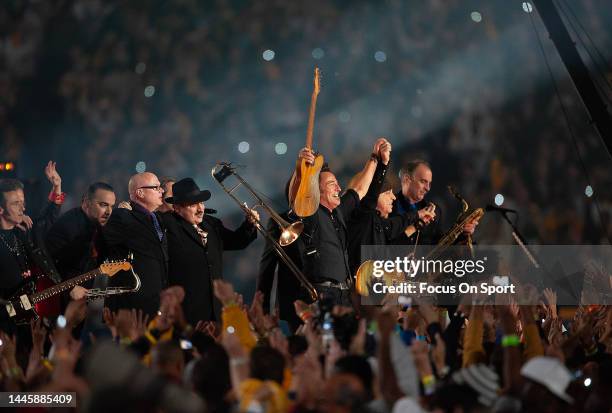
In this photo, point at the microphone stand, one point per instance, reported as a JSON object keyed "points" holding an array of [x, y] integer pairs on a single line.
{"points": [[520, 240]]}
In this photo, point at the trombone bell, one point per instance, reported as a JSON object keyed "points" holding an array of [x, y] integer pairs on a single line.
{"points": [[290, 233]]}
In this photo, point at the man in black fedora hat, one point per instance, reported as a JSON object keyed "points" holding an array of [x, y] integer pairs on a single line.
{"points": [[195, 244]]}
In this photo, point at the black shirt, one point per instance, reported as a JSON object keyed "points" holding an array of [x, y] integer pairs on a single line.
{"points": [[70, 243], [326, 241], [13, 260], [367, 227]]}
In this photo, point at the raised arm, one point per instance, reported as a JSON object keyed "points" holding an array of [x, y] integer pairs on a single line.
{"points": [[382, 151]]}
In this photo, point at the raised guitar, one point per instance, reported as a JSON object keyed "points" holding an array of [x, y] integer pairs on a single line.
{"points": [[22, 307], [304, 194]]}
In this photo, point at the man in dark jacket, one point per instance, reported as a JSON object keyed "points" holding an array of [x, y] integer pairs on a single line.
{"points": [[196, 243], [288, 287], [416, 177], [22, 255], [74, 241], [139, 231]]}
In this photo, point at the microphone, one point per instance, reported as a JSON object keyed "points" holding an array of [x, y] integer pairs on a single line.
{"points": [[210, 211], [500, 209]]}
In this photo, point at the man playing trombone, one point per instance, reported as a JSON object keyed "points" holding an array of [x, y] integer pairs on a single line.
{"points": [[196, 242]]}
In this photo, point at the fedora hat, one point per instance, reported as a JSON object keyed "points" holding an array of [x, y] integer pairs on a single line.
{"points": [[186, 191]]}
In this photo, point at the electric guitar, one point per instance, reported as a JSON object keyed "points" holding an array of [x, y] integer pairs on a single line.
{"points": [[22, 307], [304, 194]]}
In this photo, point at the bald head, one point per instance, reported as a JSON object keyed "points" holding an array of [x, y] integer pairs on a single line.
{"points": [[145, 190]]}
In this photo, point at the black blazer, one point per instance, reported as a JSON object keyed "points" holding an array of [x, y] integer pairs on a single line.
{"points": [[288, 288], [132, 231], [194, 266], [70, 242]]}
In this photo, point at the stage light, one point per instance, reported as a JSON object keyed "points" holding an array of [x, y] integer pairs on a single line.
{"points": [[141, 166], [243, 147], [380, 56], [280, 148], [318, 53], [140, 68], [499, 199], [149, 91], [268, 55], [7, 166], [344, 116], [527, 7], [476, 17]]}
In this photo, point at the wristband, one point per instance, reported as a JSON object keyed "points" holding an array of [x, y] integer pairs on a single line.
{"points": [[510, 340], [57, 198], [374, 157], [428, 380], [305, 315], [47, 364], [429, 384]]}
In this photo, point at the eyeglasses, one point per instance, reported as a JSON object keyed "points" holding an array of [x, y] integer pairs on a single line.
{"points": [[154, 187]]}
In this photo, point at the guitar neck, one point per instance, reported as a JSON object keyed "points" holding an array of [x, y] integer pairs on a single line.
{"points": [[311, 119], [64, 286]]}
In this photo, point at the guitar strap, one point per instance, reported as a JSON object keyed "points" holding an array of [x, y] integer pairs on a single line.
{"points": [[42, 260]]}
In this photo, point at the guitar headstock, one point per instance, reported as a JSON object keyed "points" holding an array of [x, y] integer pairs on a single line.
{"points": [[317, 81], [113, 267]]}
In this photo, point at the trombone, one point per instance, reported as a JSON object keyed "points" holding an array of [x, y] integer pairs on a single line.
{"points": [[289, 232]]}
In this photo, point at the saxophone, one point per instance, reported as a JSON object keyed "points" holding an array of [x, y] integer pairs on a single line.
{"points": [[451, 236]]}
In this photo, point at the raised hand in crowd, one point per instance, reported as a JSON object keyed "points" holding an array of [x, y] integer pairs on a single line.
{"points": [[110, 321], [75, 313], [66, 352], [551, 301], [209, 328], [256, 314], [8, 363]]}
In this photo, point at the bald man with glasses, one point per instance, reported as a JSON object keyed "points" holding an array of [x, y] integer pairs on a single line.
{"points": [[139, 230]]}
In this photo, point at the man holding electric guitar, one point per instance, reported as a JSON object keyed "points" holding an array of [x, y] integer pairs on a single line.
{"points": [[22, 257], [325, 233]]}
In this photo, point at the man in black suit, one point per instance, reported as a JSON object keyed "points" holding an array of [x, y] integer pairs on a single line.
{"points": [[416, 178], [74, 241], [196, 243], [288, 287], [141, 232]]}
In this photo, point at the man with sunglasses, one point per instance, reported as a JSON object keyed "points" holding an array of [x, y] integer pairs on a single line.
{"points": [[139, 231]]}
